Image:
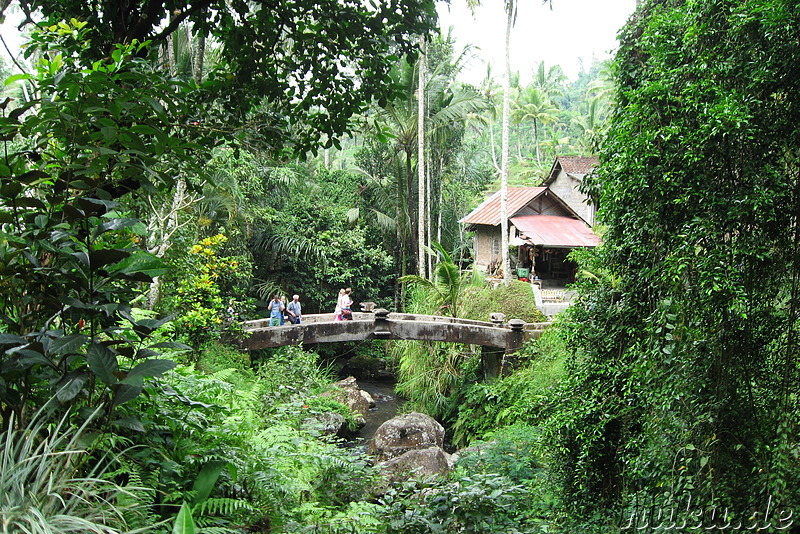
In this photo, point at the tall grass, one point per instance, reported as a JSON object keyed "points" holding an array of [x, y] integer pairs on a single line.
{"points": [[47, 485]]}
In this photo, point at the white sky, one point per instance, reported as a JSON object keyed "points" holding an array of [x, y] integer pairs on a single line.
{"points": [[572, 30]]}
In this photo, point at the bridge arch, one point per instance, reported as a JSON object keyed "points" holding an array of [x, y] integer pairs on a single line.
{"points": [[496, 338]]}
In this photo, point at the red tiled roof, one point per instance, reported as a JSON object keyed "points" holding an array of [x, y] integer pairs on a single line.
{"points": [[489, 211], [555, 231], [577, 164]]}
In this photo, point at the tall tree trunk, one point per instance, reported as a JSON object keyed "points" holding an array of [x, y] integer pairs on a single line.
{"points": [[171, 50], [421, 189], [429, 213], [167, 225], [411, 205], [505, 148], [402, 250], [199, 57]]}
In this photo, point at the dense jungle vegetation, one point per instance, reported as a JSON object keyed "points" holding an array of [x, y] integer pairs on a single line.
{"points": [[166, 167]]}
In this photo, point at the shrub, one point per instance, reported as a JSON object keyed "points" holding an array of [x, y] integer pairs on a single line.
{"points": [[515, 300], [526, 396], [479, 504]]}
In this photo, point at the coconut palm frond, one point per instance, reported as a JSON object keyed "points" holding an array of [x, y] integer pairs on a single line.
{"points": [[295, 246]]}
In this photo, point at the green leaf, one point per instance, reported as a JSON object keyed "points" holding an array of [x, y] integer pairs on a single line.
{"points": [[69, 387], [125, 393], [17, 113], [130, 423], [145, 327], [116, 224], [11, 190], [11, 339], [16, 77], [184, 524], [154, 367], [146, 353], [140, 262], [103, 257], [25, 359], [30, 202], [67, 344], [82, 256], [103, 363], [31, 176], [206, 480]]}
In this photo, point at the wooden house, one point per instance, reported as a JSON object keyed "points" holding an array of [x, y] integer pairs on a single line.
{"points": [[543, 225], [565, 179]]}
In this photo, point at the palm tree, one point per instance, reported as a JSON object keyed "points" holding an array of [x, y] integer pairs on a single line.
{"points": [[511, 8], [493, 93], [449, 106], [589, 123], [422, 189], [448, 284], [535, 105], [549, 80]]}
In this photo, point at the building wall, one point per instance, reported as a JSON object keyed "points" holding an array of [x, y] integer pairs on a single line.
{"points": [[566, 187], [544, 205], [485, 252]]}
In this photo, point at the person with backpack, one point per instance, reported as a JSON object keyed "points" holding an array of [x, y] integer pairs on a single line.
{"points": [[295, 310]]}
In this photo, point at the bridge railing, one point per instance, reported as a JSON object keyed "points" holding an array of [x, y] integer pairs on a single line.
{"points": [[309, 319], [322, 328]]}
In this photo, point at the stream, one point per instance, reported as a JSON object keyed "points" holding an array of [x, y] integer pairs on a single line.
{"points": [[387, 404]]}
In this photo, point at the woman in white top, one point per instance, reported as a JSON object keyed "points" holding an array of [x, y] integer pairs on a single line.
{"points": [[346, 303], [338, 311]]}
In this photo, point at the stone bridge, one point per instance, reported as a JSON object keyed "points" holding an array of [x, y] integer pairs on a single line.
{"points": [[497, 338]]}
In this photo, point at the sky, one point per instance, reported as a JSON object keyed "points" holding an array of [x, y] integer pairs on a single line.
{"points": [[571, 31]]}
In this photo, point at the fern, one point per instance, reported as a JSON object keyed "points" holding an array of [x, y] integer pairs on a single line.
{"points": [[224, 375], [222, 507]]}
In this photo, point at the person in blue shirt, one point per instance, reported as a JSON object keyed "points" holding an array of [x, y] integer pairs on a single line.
{"points": [[275, 311], [295, 310]]}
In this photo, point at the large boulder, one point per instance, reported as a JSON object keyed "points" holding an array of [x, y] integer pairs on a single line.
{"points": [[353, 397], [349, 394], [328, 423], [404, 433], [416, 463]]}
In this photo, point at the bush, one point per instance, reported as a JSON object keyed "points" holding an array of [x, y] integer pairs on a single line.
{"points": [[478, 504], [526, 396], [515, 300]]}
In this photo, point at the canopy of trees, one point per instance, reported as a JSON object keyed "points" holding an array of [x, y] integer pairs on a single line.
{"points": [[297, 70], [161, 174]]}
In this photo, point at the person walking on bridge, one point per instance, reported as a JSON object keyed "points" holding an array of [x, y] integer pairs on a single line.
{"points": [[275, 311], [346, 303], [295, 310]]}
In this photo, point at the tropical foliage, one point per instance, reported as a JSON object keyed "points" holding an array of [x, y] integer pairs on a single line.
{"points": [[160, 178], [265, 62], [685, 377], [70, 264]]}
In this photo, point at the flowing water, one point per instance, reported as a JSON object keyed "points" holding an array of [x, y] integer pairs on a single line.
{"points": [[387, 403]]}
